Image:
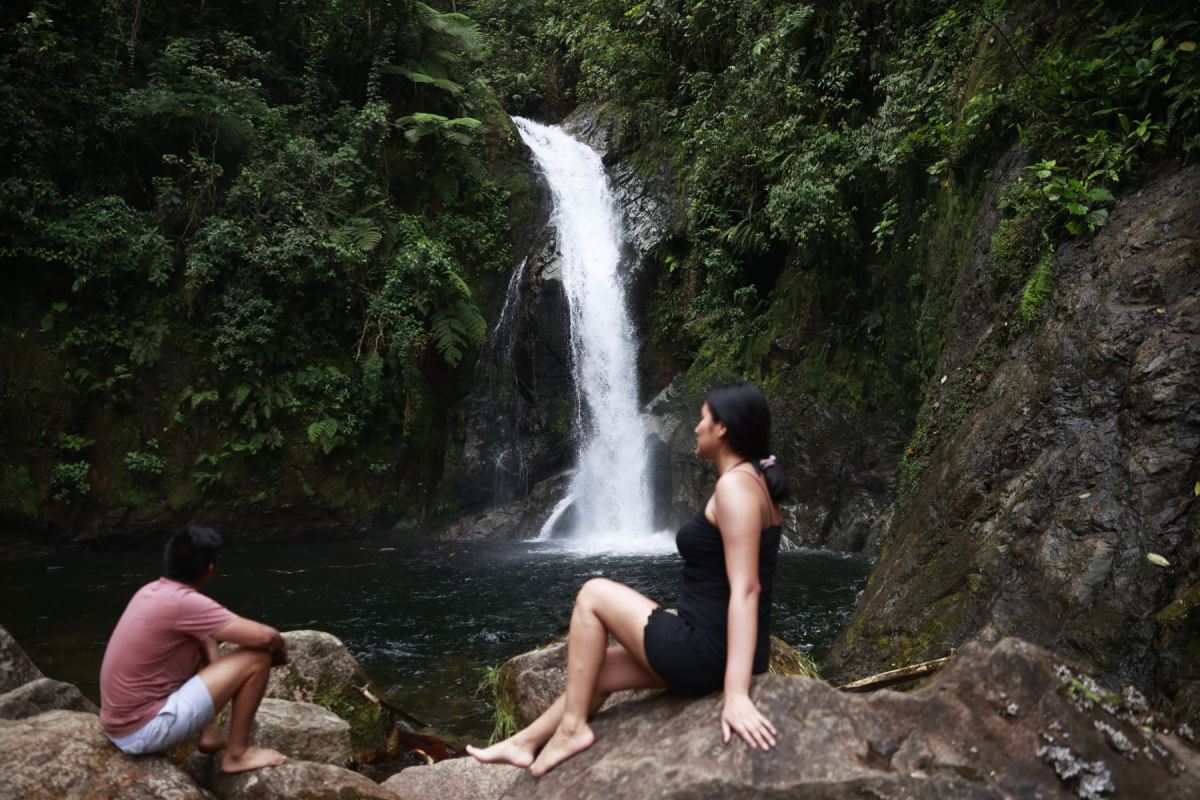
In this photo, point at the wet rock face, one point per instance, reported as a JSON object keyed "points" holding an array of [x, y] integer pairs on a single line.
{"points": [[16, 668], [999, 722], [841, 473], [520, 519], [648, 202], [65, 754], [519, 412], [1077, 461]]}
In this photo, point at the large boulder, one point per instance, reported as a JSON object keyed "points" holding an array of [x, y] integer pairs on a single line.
{"points": [[527, 684], [16, 668], [42, 695], [519, 519], [64, 754], [1067, 467], [303, 731], [1001, 722], [453, 779], [321, 670], [298, 780]]}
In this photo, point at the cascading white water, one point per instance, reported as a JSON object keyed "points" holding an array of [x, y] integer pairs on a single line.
{"points": [[610, 486]]}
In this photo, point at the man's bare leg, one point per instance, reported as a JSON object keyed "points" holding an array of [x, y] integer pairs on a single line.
{"points": [[212, 739], [603, 606], [241, 677], [620, 671]]}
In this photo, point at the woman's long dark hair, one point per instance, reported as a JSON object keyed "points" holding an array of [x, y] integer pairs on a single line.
{"points": [[743, 410]]}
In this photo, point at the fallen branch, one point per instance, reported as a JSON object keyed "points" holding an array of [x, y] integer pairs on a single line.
{"points": [[408, 718], [892, 677]]}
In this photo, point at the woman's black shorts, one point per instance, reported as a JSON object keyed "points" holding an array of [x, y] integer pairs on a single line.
{"points": [[689, 658]]}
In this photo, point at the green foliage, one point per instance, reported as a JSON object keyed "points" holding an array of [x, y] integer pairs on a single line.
{"points": [[145, 464], [1037, 289], [270, 234], [823, 142], [505, 721], [70, 480]]}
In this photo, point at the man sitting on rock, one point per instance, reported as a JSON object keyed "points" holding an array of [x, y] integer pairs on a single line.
{"points": [[151, 695]]}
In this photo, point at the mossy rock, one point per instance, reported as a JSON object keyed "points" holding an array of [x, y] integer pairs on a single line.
{"points": [[787, 660], [525, 685], [322, 671]]}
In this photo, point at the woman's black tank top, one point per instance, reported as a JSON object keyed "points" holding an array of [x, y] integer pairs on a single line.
{"points": [[704, 600]]}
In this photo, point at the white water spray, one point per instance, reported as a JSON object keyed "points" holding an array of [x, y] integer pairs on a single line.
{"points": [[610, 486]]}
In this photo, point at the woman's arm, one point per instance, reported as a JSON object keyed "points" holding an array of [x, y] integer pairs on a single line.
{"points": [[736, 502]]}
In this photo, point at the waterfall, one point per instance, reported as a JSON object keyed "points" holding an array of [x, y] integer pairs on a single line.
{"points": [[610, 486]]}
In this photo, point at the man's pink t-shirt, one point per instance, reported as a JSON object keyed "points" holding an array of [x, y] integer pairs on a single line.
{"points": [[155, 649]]}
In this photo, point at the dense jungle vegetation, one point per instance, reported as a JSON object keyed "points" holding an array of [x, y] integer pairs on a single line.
{"points": [[249, 248], [829, 158]]}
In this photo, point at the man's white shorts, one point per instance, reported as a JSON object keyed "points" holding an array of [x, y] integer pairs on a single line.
{"points": [[187, 710]]}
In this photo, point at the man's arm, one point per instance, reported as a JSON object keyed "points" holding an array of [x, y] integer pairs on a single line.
{"points": [[248, 633], [211, 653]]}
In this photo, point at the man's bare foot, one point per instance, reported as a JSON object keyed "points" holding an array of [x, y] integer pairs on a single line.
{"points": [[212, 739], [251, 758], [562, 745], [505, 752]]}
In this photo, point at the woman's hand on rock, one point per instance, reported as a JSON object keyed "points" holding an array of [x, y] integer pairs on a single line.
{"points": [[742, 717]]}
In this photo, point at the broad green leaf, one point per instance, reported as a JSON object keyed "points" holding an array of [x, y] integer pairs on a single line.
{"points": [[1187, 47]]}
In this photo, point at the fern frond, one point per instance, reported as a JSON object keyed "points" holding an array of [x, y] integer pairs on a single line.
{"points": [[447, 338], [417, 75]]}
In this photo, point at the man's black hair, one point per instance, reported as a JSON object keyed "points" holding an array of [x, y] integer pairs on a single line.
{"points": [[189, 552]]}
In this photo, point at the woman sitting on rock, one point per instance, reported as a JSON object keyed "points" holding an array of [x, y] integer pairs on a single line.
{"points": [[721, 635]]}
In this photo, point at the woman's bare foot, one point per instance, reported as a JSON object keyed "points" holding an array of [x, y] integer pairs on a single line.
{"points": [[505, 752], [251, 758], [562, 745], [212, 739]]}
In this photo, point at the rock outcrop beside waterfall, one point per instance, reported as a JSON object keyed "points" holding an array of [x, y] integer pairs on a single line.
{"points": [[1076, 464], [1001, 721], [527, 684]]}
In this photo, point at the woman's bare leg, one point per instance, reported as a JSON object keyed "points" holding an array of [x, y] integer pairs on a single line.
{"points": [[602, 607], [624, 667], [620, 671]]}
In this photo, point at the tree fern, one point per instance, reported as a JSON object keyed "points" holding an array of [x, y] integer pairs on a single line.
{"points": [[358, 233], [456, 328], [421, 124], [418, 73], [458, 28]]}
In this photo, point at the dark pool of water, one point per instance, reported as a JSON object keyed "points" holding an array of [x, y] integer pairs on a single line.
{"points": [[425, 620]]}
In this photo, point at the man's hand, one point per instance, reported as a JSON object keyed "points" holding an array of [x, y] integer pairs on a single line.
{"points": [[741, 716]]}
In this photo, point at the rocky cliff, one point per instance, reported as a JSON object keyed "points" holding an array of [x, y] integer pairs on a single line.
{"points": [[1063, 508]]}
